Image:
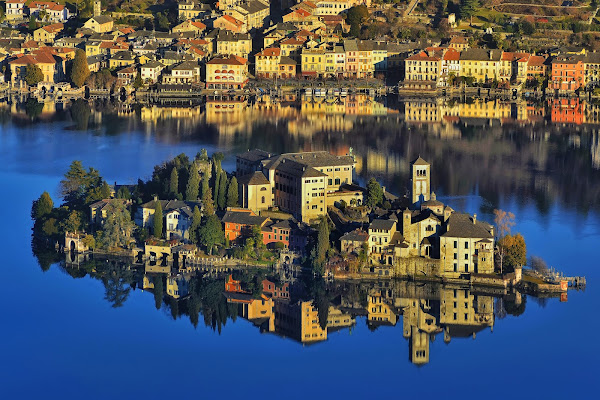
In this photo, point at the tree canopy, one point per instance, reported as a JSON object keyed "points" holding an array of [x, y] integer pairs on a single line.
{"points": [[232, 193], [80, 187], [79, 70], [211, 233], [42, 206], [374, 193], [118, 226], [33, 74], [157, 221]]}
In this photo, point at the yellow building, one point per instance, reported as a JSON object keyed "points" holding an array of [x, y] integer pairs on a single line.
{"points": [[99, 24], [481, 64], [313, 63], [379, 312], [196, 27], [47, 34], [190, 9], [45, 61], [463, 313], [237, 44], [299, 321], [254, 13]]}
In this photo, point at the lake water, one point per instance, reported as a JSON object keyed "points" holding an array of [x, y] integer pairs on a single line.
{"points": [[62, 336]]}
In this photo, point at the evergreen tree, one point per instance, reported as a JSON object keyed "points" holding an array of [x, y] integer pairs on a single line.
{"points": [[42, 206], [205, 185], [196, 221], [193, 184], [217, 187], [232, 193], [158, 220], [211, 233], [33, 74], [467, 8], [222, 200], [207, 203], [174, 183], [138, 83], [80, 70], [118, 226], [374, 193], [158, 290], [319, 254]]}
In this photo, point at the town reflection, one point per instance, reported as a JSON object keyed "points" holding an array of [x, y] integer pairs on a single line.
{"points": [[541, 152], [286, 303]]}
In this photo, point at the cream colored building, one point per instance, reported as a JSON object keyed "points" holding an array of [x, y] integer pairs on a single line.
{"points": [[255, 192], [99, 24], [467, 246]]}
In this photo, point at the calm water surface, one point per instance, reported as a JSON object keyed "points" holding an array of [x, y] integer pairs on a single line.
{"points": [[60, 337]]}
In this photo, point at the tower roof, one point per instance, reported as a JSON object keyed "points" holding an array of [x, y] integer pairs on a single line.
{"points": [[419, 161]]}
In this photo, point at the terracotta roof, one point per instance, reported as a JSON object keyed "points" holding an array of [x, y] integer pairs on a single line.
{"points": [[270, 52], [233, 60], [293, 41], [53, 28], [451, 55], [243, 218], [235, 21]]}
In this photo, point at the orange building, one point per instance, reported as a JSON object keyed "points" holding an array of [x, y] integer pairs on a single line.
{"points": [[238, 223], [276, 292], [567, 73], [567, 111]]}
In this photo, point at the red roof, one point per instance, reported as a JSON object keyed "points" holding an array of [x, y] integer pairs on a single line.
{"points": [[229, 18], [53, 28], [231, 60], [270, 52], [198, 24], [452, 55]]}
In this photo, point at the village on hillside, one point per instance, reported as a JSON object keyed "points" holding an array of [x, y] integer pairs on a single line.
{"points": [[95, 48]]}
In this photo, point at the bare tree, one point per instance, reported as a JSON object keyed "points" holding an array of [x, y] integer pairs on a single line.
{"points": [[504, 222]]}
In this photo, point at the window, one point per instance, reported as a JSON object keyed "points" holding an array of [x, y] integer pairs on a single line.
{"points": [[262, 200], [466, 245], [466, 256], [456, 244], [455, 267], [456, 256]]}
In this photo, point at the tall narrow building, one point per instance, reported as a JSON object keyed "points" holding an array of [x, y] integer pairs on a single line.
{"points": [[421, 183]]}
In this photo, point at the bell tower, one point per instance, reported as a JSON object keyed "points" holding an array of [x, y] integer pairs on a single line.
{"points": [[421, 183], [97, 8]]}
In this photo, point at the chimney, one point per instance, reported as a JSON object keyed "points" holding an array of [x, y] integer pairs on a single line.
{"points": [[474, 219]]}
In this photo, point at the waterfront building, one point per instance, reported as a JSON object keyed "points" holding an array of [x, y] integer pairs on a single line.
{"points": [[186, 72], [239, 222], [227, 72], [568, 73], [150, 71], [177, 215], [481, 64]]}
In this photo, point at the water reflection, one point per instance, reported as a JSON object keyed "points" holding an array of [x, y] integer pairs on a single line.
{"points": [[288, 304], [541, 153]]}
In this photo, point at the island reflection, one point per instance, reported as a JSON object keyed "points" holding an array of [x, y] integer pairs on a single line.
{"points": [[287, 303]]}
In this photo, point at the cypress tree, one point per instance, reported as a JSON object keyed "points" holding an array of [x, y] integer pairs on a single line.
{"points": [[207, 203], [196, 220], [80, 70], [222, 200], [158, 220], [232, 193], [174, 183], [217, 187], [193, 183], [205, 185]]}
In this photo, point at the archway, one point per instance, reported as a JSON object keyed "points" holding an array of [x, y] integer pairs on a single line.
{"points": [[72, 246]]}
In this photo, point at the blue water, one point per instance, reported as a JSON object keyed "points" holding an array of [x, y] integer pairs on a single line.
{"points": [[59, 338]]}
